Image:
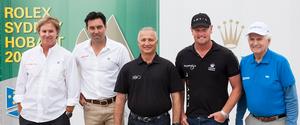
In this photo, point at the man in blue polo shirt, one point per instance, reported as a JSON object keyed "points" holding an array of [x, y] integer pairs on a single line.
{"points": [[268, 81]]}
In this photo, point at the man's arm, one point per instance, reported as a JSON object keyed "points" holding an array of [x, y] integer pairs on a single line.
{"points": [[183, 117], [21, 84], [235, 94], [291, 102], [176, 107], [72, 83], [119, 108]]}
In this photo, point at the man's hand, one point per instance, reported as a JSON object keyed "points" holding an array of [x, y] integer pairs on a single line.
{"points": [[218, 117], [82, 101], [184, 119], [19, 107], [69, 108]]}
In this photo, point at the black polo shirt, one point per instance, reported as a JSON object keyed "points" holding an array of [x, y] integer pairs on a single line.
{"points": [[207, 78], [149, 85]]}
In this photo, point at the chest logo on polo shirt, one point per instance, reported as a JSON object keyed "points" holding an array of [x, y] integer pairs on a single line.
{"points": [[212, 67], [84, 56], [245, 78], [190, 66], [136, 77]]}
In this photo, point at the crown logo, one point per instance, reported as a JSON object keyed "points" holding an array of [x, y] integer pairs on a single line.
{"points": [[231, 37]]}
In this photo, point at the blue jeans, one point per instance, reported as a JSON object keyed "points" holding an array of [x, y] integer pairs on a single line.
{"points": [[163, 120], [204, 121]]}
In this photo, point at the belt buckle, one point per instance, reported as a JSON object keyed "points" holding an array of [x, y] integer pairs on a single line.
{"points": [[92, 101], [105, 101], [146, 119]]}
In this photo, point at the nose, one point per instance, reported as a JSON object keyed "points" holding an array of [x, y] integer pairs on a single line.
{"points": [[147, 42], [255, 42]]}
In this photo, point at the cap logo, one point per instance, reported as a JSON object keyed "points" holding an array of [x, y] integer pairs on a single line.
{"points": [[195, 20]]}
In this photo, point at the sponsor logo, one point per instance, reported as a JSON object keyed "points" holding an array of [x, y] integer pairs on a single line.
{"points": [[136, 77], [11, 106], [212, 67], [190, 66], [231, 32], [246, 78]]}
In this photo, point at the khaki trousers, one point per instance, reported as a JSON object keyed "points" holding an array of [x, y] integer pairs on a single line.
{"points": [[96, 114], [250, 120]]}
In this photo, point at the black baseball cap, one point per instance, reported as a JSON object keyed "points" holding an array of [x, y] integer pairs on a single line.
{"points": [[200, 20]]}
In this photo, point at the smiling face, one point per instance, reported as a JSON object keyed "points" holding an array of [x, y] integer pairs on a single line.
{"points": [[48, 35], [147, 41], [202, 35], [258, 44]]}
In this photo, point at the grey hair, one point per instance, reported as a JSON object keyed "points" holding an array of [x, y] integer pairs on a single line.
{"points": [[145, 29]]}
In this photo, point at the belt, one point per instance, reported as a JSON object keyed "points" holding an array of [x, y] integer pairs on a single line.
{"points": [[102, 102], [147, 119], [269, 118]]}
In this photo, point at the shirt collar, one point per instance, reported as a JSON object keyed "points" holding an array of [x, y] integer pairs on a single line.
{"points": [[266, 58], [214, 47], [50, 49], [108, 44], [155, 60]]}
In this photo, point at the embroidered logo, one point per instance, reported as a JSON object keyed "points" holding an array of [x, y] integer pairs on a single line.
{"points": [[246, 78], [190, 66], [136, 77], [84, 56], [212, 67]]}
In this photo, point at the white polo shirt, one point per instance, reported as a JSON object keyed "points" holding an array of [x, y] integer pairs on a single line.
{"points": [[46, 85], [99, 73]]}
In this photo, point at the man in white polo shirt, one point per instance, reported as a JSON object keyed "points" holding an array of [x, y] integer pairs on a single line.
{"points": [[99, 60]]}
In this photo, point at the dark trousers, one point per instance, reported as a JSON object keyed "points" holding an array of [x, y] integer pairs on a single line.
{"points": [[205, 121], [161, 120], [61, 120]]}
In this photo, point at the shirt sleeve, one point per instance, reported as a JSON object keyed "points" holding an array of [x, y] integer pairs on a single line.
{"points": [[21, 82], [122, 84], [72, 81], [124, 57], [176, 83], [232, 65], [178, 66], [291, 102], [286, 76]]}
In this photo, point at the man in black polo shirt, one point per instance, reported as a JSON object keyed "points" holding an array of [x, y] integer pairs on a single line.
{"points": [[148, 82], [206, 68]]}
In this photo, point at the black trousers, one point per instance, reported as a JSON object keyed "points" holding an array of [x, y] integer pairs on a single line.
{"points": [[61, 120]]}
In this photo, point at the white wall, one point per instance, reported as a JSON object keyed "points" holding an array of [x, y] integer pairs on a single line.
{"points": [[283, 18]]}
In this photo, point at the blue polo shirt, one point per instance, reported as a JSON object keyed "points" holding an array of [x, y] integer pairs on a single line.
{"points": [[264, 83]]}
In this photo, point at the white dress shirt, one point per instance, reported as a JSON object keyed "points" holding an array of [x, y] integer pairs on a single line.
{"points": [[46, 85], [99, 73]]}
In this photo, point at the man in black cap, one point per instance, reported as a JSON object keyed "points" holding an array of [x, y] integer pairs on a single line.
{"points": [[206, 67]]}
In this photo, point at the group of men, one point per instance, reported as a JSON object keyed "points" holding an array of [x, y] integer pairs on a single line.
{"points": [[100, 76]]}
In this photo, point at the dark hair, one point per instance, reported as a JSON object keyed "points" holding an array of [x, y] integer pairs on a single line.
{"points": [[94, 15]]}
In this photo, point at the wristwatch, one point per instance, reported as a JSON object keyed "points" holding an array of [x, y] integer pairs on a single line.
{"points": [[176, 123], [69, 114], [224, 114]]}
